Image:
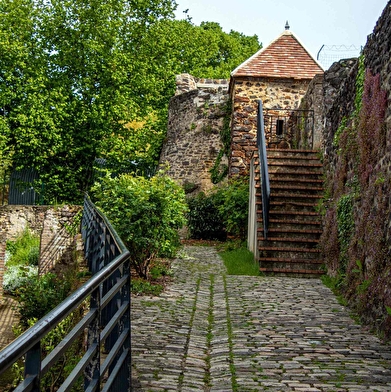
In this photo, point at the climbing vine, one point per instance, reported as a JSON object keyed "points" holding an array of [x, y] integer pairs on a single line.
{"points": [[219, 171], [354, 239]]}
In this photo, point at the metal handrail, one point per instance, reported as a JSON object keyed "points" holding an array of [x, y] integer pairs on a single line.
{"points": [[265, 183], [107, 321]]}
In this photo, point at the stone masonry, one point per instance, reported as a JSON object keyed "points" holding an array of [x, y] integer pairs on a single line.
{"points": [[245, 93], [210, 331], [193, 142]]}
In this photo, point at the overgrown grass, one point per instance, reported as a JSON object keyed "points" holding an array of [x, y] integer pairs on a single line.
{"points": [[239, 261], [143, 287], [24, 250]]}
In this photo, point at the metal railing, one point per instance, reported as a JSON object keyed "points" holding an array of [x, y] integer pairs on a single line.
{"points": [[105, 364], [265, 184]]}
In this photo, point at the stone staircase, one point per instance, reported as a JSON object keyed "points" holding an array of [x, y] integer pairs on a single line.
{"points": [[296, 186]]}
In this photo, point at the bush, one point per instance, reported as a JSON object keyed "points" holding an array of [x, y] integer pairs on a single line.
{"points": [[17, 276], [204, 220], [233, 207], [221, 212], [40, 296], [24, 250], [146, 214]]}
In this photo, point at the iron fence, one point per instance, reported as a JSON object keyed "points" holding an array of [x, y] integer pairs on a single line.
{"points": [[105, 325]]}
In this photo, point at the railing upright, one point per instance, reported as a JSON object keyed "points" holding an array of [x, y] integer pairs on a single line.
{"points": [[107, 320], [265, 184]]}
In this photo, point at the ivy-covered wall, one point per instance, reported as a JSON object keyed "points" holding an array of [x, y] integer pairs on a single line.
{"points": [[356, 242]]}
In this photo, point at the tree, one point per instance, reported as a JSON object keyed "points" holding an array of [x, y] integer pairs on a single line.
{"points": [[69, 82], [82, 79], [204, 51]]}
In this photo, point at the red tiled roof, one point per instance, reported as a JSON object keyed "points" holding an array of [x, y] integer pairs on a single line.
{"points": [[285, 57]]}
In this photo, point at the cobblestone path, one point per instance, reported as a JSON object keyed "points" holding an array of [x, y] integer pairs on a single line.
{"points": [[213, 332]]}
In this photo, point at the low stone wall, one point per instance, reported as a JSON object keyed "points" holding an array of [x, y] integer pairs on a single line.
{"points": [[50, 223]]}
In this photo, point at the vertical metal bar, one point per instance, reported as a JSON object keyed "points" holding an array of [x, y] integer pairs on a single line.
{"points": [[32, 366], [261, 141], [92, 371]]}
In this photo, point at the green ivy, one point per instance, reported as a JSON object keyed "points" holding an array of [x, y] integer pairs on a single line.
{"points": [[345, 221], [219, 172], [360, 79]]}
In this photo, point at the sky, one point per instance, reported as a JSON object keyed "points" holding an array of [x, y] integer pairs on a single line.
{"points": [[337, 24]]}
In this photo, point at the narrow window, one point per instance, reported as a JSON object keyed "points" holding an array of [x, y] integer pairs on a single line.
{"points": [[279, 127]]}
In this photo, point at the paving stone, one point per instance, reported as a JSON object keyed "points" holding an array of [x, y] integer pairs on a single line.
{"points": [[209, 331]]}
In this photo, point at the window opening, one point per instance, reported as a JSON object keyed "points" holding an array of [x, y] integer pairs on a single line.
{"points": [[279, 127]]}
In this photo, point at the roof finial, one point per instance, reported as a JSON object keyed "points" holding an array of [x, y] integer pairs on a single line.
{"points": [[287, 27]]}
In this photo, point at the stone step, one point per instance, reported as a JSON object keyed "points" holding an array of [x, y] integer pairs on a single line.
{"points": [[289, 260], [293, 158], [277, 188], [295, 222], [296, 186], [285, 232], [299, 273], [277, 178], [289, 265]]}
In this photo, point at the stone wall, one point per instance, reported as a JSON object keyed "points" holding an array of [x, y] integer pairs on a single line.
{"points": [[322, 95], [245, 93], [366, 269], [195, 120], [50, 223], [311, 137]]}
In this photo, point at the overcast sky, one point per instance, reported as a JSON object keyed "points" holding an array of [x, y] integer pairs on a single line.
{"points": [[314, 22]]}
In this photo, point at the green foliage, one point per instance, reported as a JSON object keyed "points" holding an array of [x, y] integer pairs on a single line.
{"points": [[85, 79], [211, 53], [17, 276], [223, 211], [189, 187], [24, 250], [144, 287], [240, 261], [40, 296], [22, 256], [159, 270], [340, 130], [57, 373], [354, 240], [218, 172], [204, 220], [233, 207], [146, 214], [345, 220], [360, 81]]}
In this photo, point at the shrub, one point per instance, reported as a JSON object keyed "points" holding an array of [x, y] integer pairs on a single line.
{"points": [[17, 276], [24, 250], [204, 220], [221, 212], [40, 296], [146, 213], [233, 207]]}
